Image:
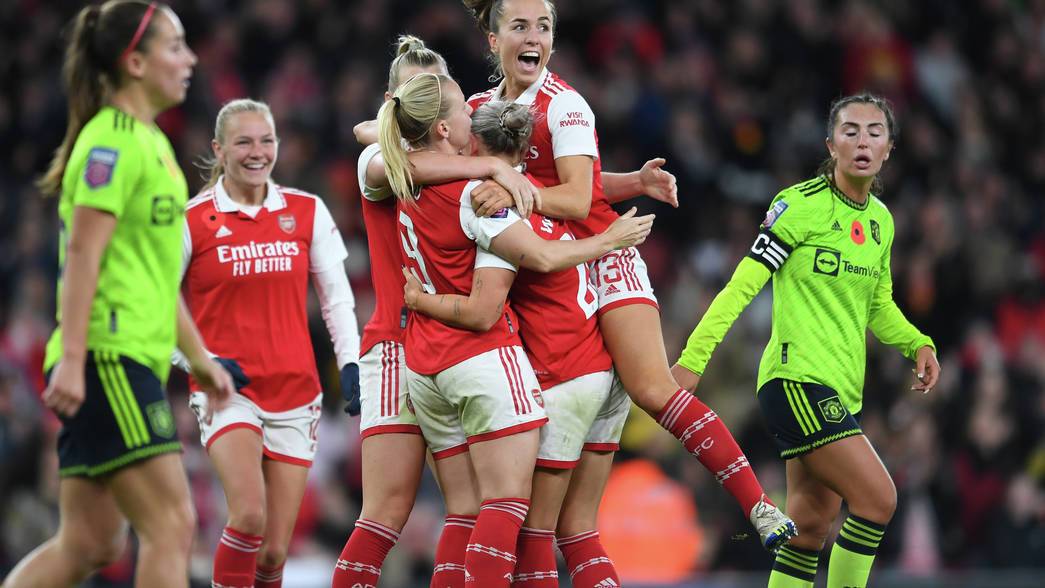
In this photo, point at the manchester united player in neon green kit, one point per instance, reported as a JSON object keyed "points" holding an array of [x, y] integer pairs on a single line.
{"points": [[826, 243], [122, 212]]}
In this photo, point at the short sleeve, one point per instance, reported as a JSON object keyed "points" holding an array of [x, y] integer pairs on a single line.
{"points": [[372, 194], [482, 230], [327, 248], [486, 258], [110, 175], [572, 126]]}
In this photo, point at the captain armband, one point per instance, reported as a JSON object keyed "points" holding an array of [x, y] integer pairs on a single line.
{"points": [[769, 250]]}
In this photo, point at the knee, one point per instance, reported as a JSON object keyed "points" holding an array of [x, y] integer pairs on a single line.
{"points": [[812, 534], [877, 505], [571, 523], [271, 556], [248, 518], [391, 510], [98, 552]]}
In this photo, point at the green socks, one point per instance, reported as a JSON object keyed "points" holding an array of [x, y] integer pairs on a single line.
{"points": [[793, 568], [853, 553]]}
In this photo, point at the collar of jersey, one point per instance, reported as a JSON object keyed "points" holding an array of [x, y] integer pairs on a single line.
{"points": [[224, 203], [847, 200], [527, 97]]}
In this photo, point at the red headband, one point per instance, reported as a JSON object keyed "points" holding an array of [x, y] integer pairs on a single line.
{"points": [[142, 26]]}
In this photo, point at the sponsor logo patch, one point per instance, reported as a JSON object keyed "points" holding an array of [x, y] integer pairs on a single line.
{"points": [[99, 168], [163, 210], [827, 262], [832, 409], [774, 213]]}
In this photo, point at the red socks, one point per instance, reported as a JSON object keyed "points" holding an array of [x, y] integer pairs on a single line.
{"points": [[269, 577], [449, 553], [536, 566], [235, 558], [707, 438], [364, 553], [490, 557], [587, 561]]}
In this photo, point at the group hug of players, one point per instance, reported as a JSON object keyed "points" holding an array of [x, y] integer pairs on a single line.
{"points": [[514, 323]]}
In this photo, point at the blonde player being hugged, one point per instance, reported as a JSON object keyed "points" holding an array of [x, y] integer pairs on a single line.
{"points": [[250, 250]]}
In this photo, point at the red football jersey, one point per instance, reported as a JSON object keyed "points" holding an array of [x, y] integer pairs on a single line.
{"points": [[557, 316], [442, 242], [379, 216], [563, 125], [246, 284]]}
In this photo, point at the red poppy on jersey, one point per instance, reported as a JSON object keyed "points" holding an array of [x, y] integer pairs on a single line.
{"points": [[246, 285], [857, 233], [564, 125]]}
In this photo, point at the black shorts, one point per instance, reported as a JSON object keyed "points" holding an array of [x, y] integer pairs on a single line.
{"points": [[124, 418], [804, 416]]}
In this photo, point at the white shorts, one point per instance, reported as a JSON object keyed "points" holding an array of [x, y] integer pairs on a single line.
{"points": [[492, 395], [288, 436], [605, 432], [621, 279], [383, 400], [572, 408]]}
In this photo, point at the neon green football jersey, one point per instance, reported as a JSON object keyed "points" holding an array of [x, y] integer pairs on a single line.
{"points": [[127, 168], [829, 258]]}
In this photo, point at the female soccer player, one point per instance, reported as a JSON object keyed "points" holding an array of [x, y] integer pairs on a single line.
{"points": [[475, 394], [556, 311], [564, 156], [393, 451], [121, 207], [250, 248], [826, 242]]}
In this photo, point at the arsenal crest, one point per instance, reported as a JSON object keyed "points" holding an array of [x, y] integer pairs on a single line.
{"points": [[287, 223]]}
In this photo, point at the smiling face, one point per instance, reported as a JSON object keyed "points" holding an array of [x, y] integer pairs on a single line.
{"points": [[248, 151], [860, 142], [164, 64], [523, 42]]}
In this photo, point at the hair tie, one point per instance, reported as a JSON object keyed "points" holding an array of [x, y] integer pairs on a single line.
{"points": [[142, 26], [503, 119], [397, 100]]}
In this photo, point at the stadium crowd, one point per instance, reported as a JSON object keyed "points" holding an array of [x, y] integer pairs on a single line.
{"points": [[734, 95]]}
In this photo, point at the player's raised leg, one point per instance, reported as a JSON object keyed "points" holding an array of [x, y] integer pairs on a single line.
{"points": [[634, 339]]}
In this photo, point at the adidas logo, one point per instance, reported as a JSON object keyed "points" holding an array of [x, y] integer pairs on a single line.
{"points": [[612, 290], [836, 227], [607, 583], [222, 232]]}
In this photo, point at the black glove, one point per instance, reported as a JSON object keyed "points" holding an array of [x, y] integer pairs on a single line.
{"points": [[350, 388], [239, 378]]}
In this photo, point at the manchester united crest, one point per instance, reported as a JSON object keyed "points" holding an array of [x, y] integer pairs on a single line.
{"points": [[832, 409], [876, 232], [287, 223]]}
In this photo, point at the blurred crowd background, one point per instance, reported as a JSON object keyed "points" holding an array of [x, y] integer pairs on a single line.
{"points": [[735, 96]]}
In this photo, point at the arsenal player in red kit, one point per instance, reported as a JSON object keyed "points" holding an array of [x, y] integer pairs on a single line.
{"points": [[250, 249]]}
